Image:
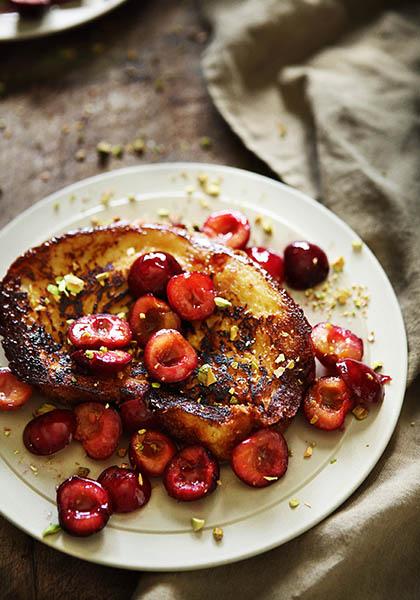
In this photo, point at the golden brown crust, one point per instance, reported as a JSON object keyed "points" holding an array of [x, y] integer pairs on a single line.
{"points": [[247, 364]]}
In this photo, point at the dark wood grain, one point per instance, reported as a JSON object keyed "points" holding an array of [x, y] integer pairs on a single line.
{"points": [[133, 73]]}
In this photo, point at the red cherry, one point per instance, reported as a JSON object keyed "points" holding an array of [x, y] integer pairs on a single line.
{"points": [[150, 451], [93, 331], [98, 428], [169, 357], [261, 459], [268, 260], [305, 265], [127, 489], [327, 402], [149, 315], [102, 362], [230, 227], [83, 506], [333, 343], [192, 295], [13, 393], [135, 415], [30, 8], [191, 474], [49, 432], [362, 381], [151, 272]]}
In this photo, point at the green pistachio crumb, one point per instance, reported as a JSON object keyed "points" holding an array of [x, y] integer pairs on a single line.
{"points": [[197, 524], [294, 503], [205, 143], [206, 375], [52, 529], [218, 534], [155, 384], [222, 302]]}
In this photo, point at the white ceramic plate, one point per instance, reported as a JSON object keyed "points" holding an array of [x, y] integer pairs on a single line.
{"points": [[159, 537], [57, 18]]}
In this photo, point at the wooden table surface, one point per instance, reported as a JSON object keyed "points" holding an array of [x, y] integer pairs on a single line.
{"points": [[134, 73]]}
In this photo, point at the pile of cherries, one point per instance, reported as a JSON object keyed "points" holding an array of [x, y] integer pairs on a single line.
{"points": [[165, 297]]}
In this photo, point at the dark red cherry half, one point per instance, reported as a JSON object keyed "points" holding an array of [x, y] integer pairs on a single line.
{"points": [[135, 414], [305, 265], [191, 474], [268, 260], [169, 357], [261, 459], [127, 489], [98, 429], [93, 331], [150, 314], [151, 272], [150, 451], [364, 384], [83, 506], [13, 392], [333, 343], [102, 362], [228, 227], [50, 432], [327, 403], [192, 295]]}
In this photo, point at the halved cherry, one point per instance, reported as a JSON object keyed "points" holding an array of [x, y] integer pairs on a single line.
{"points": [[362, 381], [191, 474], [169, 357], [50, 432], [149, 314], [30, 8], [93, 331], [333, 343], [151, 272], [305, 265], [135, 414], [191, 295], [102, 362], [327, 402], [83, 506], [127, 489], [150, 451], [98, 429], [13, 393], [267, 259], [230, 227], [261, 459]]}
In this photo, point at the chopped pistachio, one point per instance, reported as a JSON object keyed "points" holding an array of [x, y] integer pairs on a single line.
{"points": [[89, 354], [117, 151], [202, 179], [140, 478], [284, 334], [308, 452], [53, 289], [44, 408], [280, 358], [371, 337], [141, 431], [189, 190], [233, 400], [357, 245], [268, 478], [139, 146], [52, 529], [332, 461], [267, 227], [294, 503], [102, 277], [40, 308], [205, 142], [163, 212], [83, 471], [34, 469], [206, 375], [222, 302], [213, 189], [131, 251], [197, 524], [80, 155], [338, 264], [314, 420], [360, 412], [203, 203], [234, 364], [282, 130], [377, 366], [122, 315], [7, 431], [290, 364], [279, 372], [73, 284], [218, 534], [155, 384], [231, 391], [104, 149], [233, 333]]}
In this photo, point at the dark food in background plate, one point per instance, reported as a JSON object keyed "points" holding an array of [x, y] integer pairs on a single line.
{"points": [[327, 403], [127, 489], [305, 265], [83, 506], [150, 314], [191, 474], [50, 432], [261, 459]]}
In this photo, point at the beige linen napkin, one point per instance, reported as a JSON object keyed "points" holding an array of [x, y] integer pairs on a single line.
{"points": [[328, 94]]}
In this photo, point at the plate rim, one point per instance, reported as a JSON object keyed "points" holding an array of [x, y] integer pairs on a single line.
{"points": [[32, 34], [384, 441]]}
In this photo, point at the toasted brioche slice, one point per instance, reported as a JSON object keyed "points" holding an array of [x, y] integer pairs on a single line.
{"points": [[258, 348]]}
